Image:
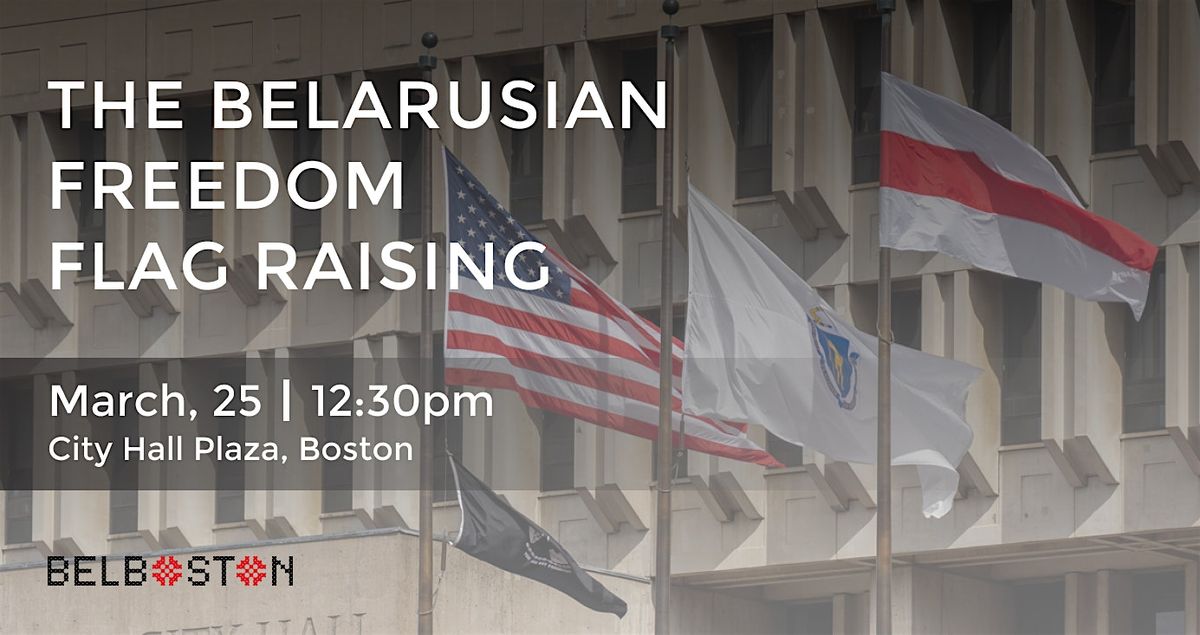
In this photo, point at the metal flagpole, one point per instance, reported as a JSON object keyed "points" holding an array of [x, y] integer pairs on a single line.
{"points": [[662, 529], [427, 62], [883, 519]]}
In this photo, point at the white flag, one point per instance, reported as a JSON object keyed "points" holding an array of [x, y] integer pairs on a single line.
{"points": [[763, 347]]}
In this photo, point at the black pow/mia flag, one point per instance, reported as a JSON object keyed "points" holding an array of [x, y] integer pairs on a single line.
{"points": [[498, 534]]}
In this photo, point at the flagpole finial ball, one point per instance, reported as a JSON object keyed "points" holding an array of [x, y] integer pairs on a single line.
{"points": [[429, 39], [670, 7]]}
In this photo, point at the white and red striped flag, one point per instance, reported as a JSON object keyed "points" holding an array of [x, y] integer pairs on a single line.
{"points": [[956, 182], [568, 347]]}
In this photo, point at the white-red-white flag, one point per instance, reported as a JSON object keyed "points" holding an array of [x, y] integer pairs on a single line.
{"points": [[956, 182]]}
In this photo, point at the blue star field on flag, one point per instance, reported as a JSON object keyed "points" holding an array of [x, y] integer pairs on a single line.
{"points": [[476, 218]]}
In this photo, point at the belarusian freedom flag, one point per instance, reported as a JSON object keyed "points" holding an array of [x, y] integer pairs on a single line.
{"points": [[956, 182]]}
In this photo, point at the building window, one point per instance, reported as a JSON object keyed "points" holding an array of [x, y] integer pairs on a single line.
{"points": [[1112, 86], [865, 145], [197, 146], [1040, 608], [906, 316], [639, 172], [1158, 603], [337, 477], [557, 452], [1021, 368], [754, 68], [525, 152], [812, 618], [123, 475], [306, 146], [231, 475], [1145, 366], [16, 407], [789, 454], [89, 219], [447, 437], [991, 93]]}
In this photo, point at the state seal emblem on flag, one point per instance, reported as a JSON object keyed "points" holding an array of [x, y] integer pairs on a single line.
{"points": [[839, 364]]}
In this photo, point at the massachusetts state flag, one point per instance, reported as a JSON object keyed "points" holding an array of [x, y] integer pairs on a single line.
{"points": [[956, 182], [763, 346], [567, 348]]}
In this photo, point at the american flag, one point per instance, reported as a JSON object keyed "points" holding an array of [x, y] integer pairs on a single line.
{"points": [[567, 348]]}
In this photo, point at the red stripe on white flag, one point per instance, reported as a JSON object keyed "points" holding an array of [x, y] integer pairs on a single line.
{"points": [[953, 181]]}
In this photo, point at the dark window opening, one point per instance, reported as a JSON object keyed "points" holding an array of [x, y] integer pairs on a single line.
{"points": [[16, 409], [557, 452], [812, 618], [753, 135], [1145, 365], [525, 151], [789, 454], [991, 25], [865, 144], [89, 219], [906, 316], [1021, 368], [1112, 86], [1159, 603], [231, 475], [639, 171], [310, 185], [197, 147], [1040, 608], [337, 477]]}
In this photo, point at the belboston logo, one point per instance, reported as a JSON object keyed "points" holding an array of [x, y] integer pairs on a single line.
{"points": [[206, 570]]}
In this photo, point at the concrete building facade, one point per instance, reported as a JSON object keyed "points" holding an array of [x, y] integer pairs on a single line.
{"points": [[1080, 502]]}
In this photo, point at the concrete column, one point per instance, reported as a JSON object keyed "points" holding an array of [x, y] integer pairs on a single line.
{"points": [[1114, 603], [274, 148], [557, 181], [851, 613], [336, 220], [1028, 88], [1191, 596], [946, 48], [79, 515], [977, 331], [1099, 344], [1067, 100], [45, 501], [1183, 84], [483, 150], [596, 173], [1082, 608], [827, 125], [1182, 313], [13, 173], [787, 126], [1058, 357], [46, 144], [712, 106]]}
